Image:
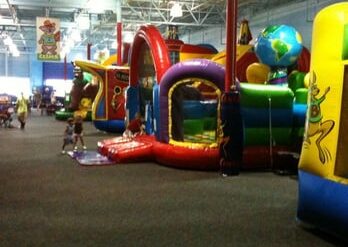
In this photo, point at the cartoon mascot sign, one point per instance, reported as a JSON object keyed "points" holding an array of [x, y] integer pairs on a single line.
{"points": [[48, 38]]}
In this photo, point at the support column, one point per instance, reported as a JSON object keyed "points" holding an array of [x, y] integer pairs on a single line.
{"points": [[119, 31]]}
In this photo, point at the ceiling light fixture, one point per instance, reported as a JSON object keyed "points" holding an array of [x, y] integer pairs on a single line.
{"points": [[176, 10]]}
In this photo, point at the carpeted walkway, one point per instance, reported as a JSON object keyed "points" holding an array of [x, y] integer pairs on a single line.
{"points": [[46, 199]]}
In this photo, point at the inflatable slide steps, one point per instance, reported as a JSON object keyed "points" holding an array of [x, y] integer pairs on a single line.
{"points": [[145, 148], [128, 150]]}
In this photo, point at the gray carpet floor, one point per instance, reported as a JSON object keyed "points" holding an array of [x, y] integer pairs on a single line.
{"points": [[47, 199]]}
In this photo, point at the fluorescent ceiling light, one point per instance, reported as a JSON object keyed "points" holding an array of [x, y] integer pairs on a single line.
{"points": [[95, 6], [176, 10]]}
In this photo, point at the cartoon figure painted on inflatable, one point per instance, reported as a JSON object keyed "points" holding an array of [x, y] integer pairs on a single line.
{"points": [[315, 124], [323, 173]]}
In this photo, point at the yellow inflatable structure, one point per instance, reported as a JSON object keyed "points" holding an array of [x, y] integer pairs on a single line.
{"points": [[327, 113], [323, 167], [110, 60], [244, 57], [220, 58]]}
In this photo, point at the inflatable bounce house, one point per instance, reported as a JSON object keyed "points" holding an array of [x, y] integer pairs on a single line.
{"points": [[108, 111], [182, 105], [273, 112], [323, 169], [184, 93]]}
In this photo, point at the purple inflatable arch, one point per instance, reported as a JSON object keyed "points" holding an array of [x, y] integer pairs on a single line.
{"points": [[197, 68]]}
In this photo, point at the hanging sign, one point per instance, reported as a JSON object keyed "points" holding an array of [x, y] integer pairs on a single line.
{"points": [[48, 39]]}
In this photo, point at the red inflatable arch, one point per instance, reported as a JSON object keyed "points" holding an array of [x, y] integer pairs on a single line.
{"points": [[150, 35]]}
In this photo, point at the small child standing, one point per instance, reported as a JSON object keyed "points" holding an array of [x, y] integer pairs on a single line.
{"points": [[78, 132], [68, 134]]}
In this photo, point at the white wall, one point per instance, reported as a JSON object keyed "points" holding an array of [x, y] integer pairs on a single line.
{"points": [[298, 15]]}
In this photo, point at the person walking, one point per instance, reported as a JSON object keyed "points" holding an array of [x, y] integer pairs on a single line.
{"points": [[22, 110]]}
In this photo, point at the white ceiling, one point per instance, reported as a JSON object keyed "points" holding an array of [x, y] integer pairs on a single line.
{"points": [[18, 17]]}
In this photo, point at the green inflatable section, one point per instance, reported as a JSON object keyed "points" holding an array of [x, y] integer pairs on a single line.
{"points": [[200, 130], [301, 95], [64, 115], [296, 80], [261, 136], [257, 96], [209, 123], [87, 77], [193, 126]]}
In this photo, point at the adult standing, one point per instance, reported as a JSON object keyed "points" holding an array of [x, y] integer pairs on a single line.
{"points": [[37, 98], [22, 110]]}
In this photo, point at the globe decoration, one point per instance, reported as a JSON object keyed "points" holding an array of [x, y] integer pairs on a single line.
{"points": [[278, 46]]}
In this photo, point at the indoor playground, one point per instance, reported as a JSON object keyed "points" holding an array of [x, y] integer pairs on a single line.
{"points": [[182, 108], [180, 123]]}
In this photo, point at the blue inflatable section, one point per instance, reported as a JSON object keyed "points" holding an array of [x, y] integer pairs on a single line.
{"points": [[323, 203], [148, 119], [112, 126], [132, 97], [260, 117], [195, 109], [299, 115], [156, 111], [100, 111]]}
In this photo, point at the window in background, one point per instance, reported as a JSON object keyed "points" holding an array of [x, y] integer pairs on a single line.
{"points": [[15, 85], [60, 86]]}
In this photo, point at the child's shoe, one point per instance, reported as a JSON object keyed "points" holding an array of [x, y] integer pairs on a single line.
{"points": [[84, 147], [75, 148], [63, 152]]}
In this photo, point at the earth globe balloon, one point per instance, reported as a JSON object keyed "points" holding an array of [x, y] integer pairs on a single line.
{"points": [[278, 46]]}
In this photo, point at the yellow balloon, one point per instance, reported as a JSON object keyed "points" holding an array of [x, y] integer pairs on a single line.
{"points": [[257, 73]]}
